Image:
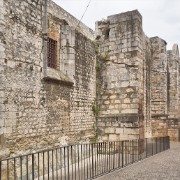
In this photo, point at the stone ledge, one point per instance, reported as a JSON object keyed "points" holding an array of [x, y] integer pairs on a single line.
{"points": [[57, 76], [160, 116], [132, 117]]}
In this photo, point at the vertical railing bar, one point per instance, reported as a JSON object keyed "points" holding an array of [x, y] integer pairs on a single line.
{"points": [[138, 149], [84, 147], [160, 143], [100, 170], [146, 148], [52, 164], [14, 168], [61, 161], [56, 165], [81, 159], [48, 163], [72, 161], [89, 161], [104, 164], [137, 153], [7, 169], [156, 145], [43, 165], [113, 155], [75, 161], [64, 162], [38, 167], [32, 166], [95, 156], [109, 158], [106, 158], [130, 159], [88, 157], [1, 169], [102, 160], [92, 161], [129, 150], [78, 163], [27, 171], [103, 157], [125, 154], [133, 151], [68, 162], [119, 154], [122, 154], [21, 166], [163, 144]]}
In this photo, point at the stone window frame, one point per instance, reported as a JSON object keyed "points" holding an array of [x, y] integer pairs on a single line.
{"points": [[54, 74]]}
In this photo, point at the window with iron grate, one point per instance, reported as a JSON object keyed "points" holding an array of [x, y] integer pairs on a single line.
{"points": [[52, 53]]}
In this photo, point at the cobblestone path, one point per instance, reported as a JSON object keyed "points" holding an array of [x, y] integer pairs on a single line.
{"points": [[162, 166]]}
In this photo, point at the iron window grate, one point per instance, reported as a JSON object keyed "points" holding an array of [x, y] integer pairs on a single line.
{"points": [[52, 53]]}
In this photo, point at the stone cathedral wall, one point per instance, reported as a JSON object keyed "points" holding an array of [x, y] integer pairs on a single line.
{"points": [[41, 107]]}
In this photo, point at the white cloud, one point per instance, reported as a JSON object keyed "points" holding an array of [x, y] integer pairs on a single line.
{"points": [[160, 17]]}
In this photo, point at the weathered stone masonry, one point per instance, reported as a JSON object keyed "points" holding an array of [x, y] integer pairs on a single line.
{"points": [[132, 89], [41, 106]]}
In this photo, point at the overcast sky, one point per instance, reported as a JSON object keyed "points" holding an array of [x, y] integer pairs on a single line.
{"points": [[160, 17]]}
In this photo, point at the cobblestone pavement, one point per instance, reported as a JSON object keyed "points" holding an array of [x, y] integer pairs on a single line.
{"points": [[162, 166]]}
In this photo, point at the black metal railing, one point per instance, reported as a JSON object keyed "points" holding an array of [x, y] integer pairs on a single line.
{"points": [[84, 161]]}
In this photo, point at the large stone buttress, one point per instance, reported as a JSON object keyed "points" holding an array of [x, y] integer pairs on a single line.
{"points": [[120, 77]]}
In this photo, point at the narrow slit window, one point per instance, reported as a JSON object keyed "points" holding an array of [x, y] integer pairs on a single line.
{"points": [[52, 53]]}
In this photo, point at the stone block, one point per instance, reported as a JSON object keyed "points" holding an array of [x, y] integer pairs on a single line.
{"points": [[117, 101], [105, 137], [124, 137], [111, 107], [114, 111], [129, 111], [124, 84], [127, 100], [119, 130], [106, 102], [102, 124], [112, 97], [109, 130], [112, 137]]}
